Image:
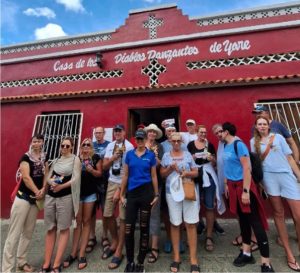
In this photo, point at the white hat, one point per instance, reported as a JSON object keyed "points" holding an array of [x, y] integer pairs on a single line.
{"points": [[176, 187], [190, 121], [154, 127]]}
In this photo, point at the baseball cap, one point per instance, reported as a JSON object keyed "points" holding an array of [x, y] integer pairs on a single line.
{"points": [[260, 108], [140, 134], [170, 126], [119, 127], [190, 121]]}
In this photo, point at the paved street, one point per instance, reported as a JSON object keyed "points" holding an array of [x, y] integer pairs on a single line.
{"points": [[218, 261]]}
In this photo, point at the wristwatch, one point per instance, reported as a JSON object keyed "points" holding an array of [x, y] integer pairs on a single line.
{"points": [[245, 190]]}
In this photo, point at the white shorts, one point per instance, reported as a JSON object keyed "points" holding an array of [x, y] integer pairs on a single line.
{"points": [[282, 184], [188, 211]]}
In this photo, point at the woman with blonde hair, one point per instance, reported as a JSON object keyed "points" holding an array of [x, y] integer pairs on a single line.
{"points": [[91, 169], [61, 203], [174, 163], [280, 180]]}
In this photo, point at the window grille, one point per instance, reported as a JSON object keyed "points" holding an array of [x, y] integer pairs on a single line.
{"points": [[55, 127], [261, 59], [248, 16], [288, 113], [65, 78], [59, 43]]}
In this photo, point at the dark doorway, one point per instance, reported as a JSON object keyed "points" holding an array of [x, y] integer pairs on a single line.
{"points": [[151, 115]]}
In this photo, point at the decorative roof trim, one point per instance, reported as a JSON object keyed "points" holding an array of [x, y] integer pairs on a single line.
{"points": [[166, 6], [150, 42], [158, 88], [250, 10]]}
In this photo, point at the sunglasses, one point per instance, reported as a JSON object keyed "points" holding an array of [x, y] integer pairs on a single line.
{"points": [[65, 146], [86, 145], [176, 141], [219, 132]]}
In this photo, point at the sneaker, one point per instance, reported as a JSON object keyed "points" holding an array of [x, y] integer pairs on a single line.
{"points": [[130, 267], [200, 227], [242, 260], [267, 268], [139, 268], [218, 229]]}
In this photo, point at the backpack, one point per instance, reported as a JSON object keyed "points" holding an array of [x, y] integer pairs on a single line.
{"points": [[257, 171]]}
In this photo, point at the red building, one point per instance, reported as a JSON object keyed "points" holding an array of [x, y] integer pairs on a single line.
{"points": [[160, 64]]}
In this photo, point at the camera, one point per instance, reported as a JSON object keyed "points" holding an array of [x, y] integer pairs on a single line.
{"points": [[116, 171]]}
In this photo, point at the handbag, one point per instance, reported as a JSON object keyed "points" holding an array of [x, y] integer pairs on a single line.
{"points": [[189, 189]]}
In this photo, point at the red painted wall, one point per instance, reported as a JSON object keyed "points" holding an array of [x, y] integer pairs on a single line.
{"points": [[206, 106]]}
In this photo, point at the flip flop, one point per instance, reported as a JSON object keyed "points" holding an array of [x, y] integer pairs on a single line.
{"points": [[254, 246], [108, 252], [115, 262], [295, 264], [26, 268]]}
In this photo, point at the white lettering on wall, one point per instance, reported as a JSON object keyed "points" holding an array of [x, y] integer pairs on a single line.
{"points": [[229, 47], [168, 55]]}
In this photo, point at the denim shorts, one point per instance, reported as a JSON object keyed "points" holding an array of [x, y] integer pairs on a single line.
{"points": [[208, 194], [89, 198]]}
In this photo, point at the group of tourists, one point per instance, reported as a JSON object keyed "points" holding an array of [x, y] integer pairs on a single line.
{"points": [[146, 181]]}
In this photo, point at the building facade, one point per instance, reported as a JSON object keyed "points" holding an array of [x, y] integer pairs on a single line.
{"points": [[160, 64]]}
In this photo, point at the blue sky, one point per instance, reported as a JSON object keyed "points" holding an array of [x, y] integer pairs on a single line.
{"points": [[30, 20]]}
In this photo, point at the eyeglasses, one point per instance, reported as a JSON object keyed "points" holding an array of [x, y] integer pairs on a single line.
{"points": [[176, 141], [219, 132], [86, 145], [65, 146]]}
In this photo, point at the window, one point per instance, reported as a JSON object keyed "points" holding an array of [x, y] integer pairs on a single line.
{"points": [[55, 126], [288, 113]]}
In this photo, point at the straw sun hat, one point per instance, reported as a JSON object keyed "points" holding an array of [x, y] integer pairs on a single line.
{"points": [[154, 127]]}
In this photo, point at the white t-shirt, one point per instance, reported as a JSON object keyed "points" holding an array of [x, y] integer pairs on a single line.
{"points": [[187, 137], [117, 164]]}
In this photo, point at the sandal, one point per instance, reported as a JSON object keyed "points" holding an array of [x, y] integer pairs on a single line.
{"points": [[153, 255], [293, 265], [82, 263], [174, 266], [91, 244], [238, 241], [209, 246], [26, 268], [56, 269], [195, 268], [45, 270], [108, 252], [115, 262], [68, 261], [105, 242]]}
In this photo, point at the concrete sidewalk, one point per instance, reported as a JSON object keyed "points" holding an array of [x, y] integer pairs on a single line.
{"points": [[220, 260]]}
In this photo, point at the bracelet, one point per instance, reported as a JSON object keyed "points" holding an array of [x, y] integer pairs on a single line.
{"points": [[156, 195]]}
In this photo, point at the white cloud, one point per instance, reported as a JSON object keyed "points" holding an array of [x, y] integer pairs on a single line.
{"points": [[49, 31], [38, 12], [73, 5]]}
